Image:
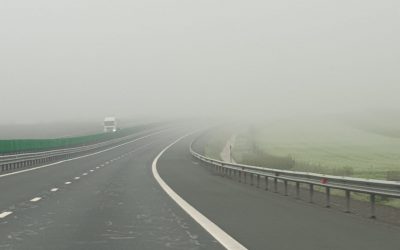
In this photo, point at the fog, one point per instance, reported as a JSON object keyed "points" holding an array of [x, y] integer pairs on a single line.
{"points": [[85, 59]]}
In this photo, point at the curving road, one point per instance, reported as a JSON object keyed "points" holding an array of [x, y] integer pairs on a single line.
{"points": [[113, 201]]}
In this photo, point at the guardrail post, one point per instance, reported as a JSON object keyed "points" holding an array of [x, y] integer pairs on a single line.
{"points": [[328, 197], [347, 201], [372, 198], [311, 193], [245, 177], [240, 176], [275, 185], [286, 187], [251, 179], [266, 182], [258, 181], [298, 190]]}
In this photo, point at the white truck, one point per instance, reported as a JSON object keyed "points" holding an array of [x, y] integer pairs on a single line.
{"points": [[110, 125]]}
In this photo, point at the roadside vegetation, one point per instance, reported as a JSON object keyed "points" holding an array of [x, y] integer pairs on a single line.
{"points": [[326, 146], [215, 141]]}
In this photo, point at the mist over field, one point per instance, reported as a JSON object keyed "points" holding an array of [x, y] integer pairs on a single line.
{"points": [[196, 124], [84, 60]]}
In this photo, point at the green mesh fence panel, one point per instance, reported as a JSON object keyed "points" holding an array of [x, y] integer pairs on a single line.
{"points": [[27, 145]]}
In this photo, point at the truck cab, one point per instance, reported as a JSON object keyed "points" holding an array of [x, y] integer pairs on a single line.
{"points": [[110, 125]]}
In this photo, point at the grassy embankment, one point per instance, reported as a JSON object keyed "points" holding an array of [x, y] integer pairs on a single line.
{"points": [[216, 141], [327, 146]]}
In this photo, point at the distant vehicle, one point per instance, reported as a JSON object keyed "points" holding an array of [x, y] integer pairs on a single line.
{"points": [[110, 125]]}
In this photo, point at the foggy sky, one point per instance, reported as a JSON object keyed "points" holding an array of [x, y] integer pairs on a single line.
{"points": [[77, 59]]}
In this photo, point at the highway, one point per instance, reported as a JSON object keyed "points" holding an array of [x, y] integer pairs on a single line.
{"points": [[114, 200]]}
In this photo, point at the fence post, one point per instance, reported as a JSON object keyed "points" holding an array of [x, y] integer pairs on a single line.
{"points": [[311, 192], [347, 201], [286, 187], [372, 198], [328, 197]]}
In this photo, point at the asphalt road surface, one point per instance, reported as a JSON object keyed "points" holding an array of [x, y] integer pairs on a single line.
{"points": [[264, 220], [112, 201]]}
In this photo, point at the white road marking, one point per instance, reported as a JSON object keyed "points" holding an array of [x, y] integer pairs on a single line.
{"points": [[67, 183], [97, 167], [83, 156], [77, 178], [91, 170], [220, 235], [54, 189], [84, 174], [5, 214], [36, 199]]}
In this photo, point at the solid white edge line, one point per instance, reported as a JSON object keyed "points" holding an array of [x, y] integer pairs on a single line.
{"points": [[220, 235], [83, 156], [5, 214]]}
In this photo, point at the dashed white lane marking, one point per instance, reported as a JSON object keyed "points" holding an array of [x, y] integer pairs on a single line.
{"points": [[91, 170], [36, 199], [84, 174], [54, 189], [97, 167], [68, 182], [5, 214], [83, 156], [77, 178], [106, 162], [220, 235]]}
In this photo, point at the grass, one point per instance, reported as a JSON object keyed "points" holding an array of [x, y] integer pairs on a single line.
{"points": [[216, 141], [328, 146]]}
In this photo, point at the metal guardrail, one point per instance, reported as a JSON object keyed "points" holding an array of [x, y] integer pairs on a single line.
{"points": [[16, 161], [350, 185]]}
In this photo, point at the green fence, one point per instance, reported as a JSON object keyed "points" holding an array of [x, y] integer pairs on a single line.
{"points": [[29, 145]]}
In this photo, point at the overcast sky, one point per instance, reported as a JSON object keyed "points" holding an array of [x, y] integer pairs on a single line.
{"points": [[71, 59]]}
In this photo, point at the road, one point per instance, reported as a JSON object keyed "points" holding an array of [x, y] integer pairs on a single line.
{"points": [[113, 201]]}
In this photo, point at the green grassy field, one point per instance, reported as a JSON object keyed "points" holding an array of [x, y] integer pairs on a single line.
{"points": [[328, 146], [324, 146], [216, 141]]}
